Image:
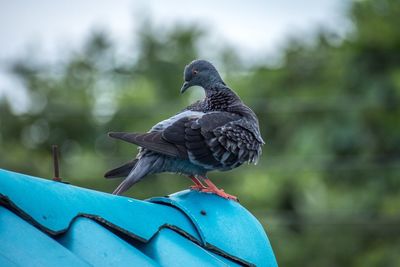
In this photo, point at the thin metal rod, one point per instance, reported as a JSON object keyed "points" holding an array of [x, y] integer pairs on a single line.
{"points": [[55, 164]]}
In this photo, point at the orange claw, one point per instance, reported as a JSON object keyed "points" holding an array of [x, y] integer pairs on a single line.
{"points": [[212, 188], [219, 192], [197, 187]]}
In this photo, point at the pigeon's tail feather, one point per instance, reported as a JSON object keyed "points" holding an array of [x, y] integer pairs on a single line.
{"points": [[121, 171], [143, 167]]}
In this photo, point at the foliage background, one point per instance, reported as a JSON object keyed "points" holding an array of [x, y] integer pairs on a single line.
{"points": [[327, 186]]}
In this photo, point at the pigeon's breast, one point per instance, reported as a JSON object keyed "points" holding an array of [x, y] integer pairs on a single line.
{"points": [[168, 122]]}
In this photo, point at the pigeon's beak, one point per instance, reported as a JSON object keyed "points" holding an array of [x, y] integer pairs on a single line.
{"points": [[185, 86]]}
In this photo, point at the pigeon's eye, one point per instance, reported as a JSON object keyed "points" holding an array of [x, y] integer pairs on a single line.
{"points": [[195, 72]]}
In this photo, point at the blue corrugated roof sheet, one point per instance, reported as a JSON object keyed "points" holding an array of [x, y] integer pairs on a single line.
{"points": [[47, 223]]}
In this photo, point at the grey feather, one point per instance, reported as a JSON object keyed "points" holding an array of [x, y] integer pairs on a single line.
{"points": [[142, 168], [122, 170]]}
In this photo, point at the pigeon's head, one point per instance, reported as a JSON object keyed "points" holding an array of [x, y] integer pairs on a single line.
{"points": [[201, 73]]}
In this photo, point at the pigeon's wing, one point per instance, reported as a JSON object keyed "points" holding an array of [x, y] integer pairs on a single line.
{"points": [[192, 134], [152, 141], [121, 171], [214, 141]]}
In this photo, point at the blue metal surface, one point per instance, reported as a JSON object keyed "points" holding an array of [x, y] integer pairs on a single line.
{"points": [[224, 225], [89, 227], [6, 261], [61, 203], [100, 247], [174, 250], [23, 245]]}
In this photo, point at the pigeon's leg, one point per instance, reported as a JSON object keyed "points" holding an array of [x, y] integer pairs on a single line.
{"points": [[212, 188], [197, 183]]}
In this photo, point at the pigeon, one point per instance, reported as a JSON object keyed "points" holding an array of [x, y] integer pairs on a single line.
{"points": [[217, 133]]}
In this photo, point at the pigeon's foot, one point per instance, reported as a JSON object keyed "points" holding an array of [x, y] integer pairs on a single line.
{"points": [[212, 188], [197, 187], [219, 192], [197, 184]]}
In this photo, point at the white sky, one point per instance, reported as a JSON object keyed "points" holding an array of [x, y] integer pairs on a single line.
{"points": [[255, 27]]}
